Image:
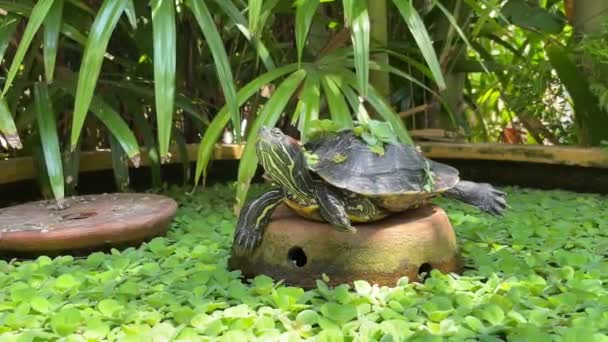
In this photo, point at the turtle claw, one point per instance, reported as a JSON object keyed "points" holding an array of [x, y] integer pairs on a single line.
{"points": [[246, 240], [495, 202], [482, 195], [348, 229]]}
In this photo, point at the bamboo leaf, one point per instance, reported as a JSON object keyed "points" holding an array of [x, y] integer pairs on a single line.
{"points": [[338, 108], [119, 165], [163, 25], [131, 14], [7, 125], [7, 29], [144, 127], [16, 7], [456, 27], [71, 168], [222, 64], [186, 104], [111, 119], [73, 33], [357, 18], [533, 17], [356, 104], [308, 106], [35, 20], [97, 42], [82, 5], [267, 11], [47, 127], [42, 177], [421, 35], [255, 9], [118, 127], [268, 117], [402, 74], [52, 26], [182, 150], [25, 11], [304, 14], [214, 131], [241, 23]]}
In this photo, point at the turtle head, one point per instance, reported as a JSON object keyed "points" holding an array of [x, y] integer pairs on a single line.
{"points": [[274, 148], [282, 157]]}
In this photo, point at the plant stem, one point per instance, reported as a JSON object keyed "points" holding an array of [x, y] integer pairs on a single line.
{"points": [[378, 17]]}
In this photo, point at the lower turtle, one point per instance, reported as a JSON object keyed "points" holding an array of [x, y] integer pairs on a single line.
{"points": [[346, 182]]}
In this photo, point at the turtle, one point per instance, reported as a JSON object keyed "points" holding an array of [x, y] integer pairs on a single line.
{"points": [[346, 182]]}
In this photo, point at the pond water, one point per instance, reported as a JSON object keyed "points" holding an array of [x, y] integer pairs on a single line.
{"points": [[538, 273]]}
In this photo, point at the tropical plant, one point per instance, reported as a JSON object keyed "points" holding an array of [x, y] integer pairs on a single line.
{"points": [[123, 69], [540, 78], [174, 72]]}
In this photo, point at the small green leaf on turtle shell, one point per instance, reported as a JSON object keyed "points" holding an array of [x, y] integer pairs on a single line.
{"points": [[377, 149], [339, 158], [382, 131], [311, 158]]}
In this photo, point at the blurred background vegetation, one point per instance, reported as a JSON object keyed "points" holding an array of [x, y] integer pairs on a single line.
{"points": [[154, 77]]}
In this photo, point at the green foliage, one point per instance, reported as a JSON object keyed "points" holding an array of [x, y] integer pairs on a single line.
{"points": [[593, 56], [537, 274], [169, 73], [163, 27], [47, 125]]}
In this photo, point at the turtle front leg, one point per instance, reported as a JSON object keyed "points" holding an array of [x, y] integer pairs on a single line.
{"points": [[253, 220], [333, 210]]}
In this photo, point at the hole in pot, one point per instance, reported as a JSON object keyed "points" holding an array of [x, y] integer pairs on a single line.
{"points": [[78, 216], [424, 271], [297, 256]]}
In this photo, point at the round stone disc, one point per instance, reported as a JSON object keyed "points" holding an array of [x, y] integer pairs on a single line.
{"points": [[86, 222]]}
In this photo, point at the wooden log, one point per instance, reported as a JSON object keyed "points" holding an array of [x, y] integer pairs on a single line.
{"points": [[19, 169]]}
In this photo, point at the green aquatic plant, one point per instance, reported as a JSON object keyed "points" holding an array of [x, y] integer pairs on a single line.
{"points": [[537, 274]]}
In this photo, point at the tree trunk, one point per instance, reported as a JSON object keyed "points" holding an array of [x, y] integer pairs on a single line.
{"points": [[588, 17]]}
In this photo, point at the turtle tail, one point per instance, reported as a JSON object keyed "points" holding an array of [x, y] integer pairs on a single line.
{"points": [[481, 195]]}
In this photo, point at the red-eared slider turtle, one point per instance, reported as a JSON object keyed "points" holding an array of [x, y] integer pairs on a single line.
{"points": [[347, 182]]}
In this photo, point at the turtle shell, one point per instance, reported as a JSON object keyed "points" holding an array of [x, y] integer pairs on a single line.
{"points": [[395, 180]]}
